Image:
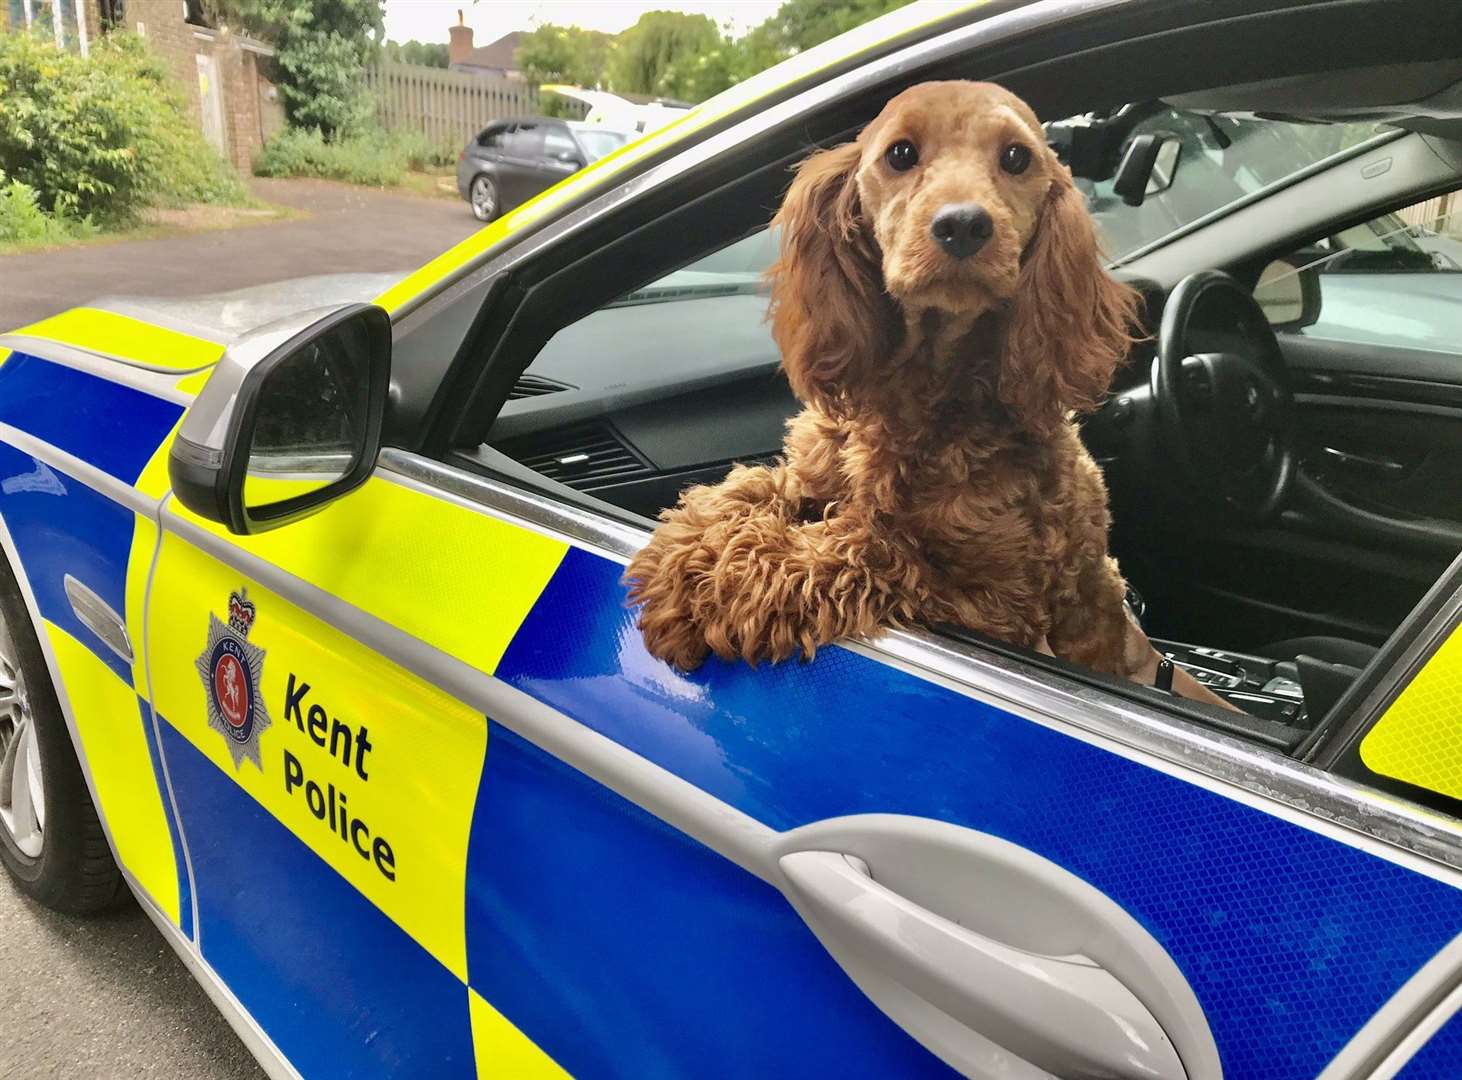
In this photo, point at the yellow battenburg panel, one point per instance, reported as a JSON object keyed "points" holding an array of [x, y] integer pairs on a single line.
{"points": [[503, 1052], [126, 338], [1419, 738], [896, 24], [191, 384], [458, 580], [109, 721], [371, 767], [4, 355]]}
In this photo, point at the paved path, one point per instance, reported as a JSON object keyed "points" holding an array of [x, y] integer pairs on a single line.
{"points": [[107, 997], [348, 229]]}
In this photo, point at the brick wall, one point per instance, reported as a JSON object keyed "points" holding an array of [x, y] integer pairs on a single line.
{"points": [[170, 37]]}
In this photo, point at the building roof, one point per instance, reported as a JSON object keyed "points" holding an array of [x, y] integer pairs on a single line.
{"points": [[499, 54]]}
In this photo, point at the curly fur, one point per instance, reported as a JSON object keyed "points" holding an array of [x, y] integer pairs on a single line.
{"points": [[935, 474]]}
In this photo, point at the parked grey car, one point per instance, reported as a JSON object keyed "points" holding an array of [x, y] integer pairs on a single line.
{"points": [[510, 161]]}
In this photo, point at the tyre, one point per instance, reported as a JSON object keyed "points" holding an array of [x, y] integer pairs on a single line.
{"points": [[51, 842], [483, 197]]}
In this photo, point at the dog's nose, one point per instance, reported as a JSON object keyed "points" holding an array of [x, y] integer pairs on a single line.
{"points": [[962, 228]]}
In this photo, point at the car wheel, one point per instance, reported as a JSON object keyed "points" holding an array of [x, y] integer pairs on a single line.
{"points": [[483, 197], [51, 841]]}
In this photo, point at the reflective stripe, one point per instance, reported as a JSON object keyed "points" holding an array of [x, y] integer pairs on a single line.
{"points": [[110, 334], [4, 354], [191, 384], [372, 768], [1418, 740], [504, 1051], [112, 734], [458, 580]]}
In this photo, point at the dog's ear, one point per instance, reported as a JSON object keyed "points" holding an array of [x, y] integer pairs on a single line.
{"points": [[1068, 325], [830, 315]]}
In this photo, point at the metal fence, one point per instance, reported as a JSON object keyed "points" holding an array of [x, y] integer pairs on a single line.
{"points": [[446, 106]]}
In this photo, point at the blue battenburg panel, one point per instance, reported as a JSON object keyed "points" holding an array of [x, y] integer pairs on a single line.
{"points": [[1440, 1058], [340, 988], [60, 526], [185, 893], [114, 427], [1290, 940], [625, 949]]}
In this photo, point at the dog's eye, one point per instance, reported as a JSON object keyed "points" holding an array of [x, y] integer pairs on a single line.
{"points": [[902, 156], [1015, 159]]}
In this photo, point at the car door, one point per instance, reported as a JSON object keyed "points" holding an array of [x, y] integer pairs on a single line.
{"points": [[522, 162], [1375, 361]]}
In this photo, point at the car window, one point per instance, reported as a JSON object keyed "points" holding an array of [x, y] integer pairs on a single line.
{"points": [[557, 142], [1222, 158], [599, 142], [527, 141], [494, 137], [1393, 280]]}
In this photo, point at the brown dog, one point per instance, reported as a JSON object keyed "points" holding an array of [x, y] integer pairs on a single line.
{"points": [[942, 312]]}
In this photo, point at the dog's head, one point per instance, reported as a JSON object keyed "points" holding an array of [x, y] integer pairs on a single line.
{"points": [[948, 205]]}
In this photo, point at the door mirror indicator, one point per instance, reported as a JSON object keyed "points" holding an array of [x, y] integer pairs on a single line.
{"points": [[289, 421]]}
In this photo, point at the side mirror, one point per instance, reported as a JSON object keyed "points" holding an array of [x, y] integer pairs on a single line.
{"points": [[289, 420], [1288, 294], [1147, 167], [568, 157]]}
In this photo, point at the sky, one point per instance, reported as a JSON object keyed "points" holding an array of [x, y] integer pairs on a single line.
{"points": [[427, 20]]}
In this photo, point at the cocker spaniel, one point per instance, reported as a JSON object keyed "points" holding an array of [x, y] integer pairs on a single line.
{"points": [[942, 313]]}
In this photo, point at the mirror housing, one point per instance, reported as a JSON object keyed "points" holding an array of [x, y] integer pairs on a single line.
{"points": [[1147, 167], [211, 455], [1288, 294]]}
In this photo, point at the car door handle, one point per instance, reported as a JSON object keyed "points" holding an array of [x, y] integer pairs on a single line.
{"points": [[1363, 462], [993, 957], [1064, 1014]]}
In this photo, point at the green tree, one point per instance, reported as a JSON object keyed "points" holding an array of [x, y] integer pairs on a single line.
{"points": [[645, 53], [321, 50], [564, 54], [428, 53]]}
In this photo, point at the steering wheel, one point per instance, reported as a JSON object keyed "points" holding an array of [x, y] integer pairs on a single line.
{"points": [[1223, 398]]}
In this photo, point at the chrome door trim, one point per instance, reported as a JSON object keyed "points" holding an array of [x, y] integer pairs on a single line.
{"points": [[1424, 840], [97, 615]]}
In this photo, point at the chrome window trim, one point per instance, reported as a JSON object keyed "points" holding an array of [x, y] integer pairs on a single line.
{"points": [[1256, 776]]}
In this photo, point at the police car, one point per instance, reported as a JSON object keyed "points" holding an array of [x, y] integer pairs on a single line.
{"points": [[314, 638]]}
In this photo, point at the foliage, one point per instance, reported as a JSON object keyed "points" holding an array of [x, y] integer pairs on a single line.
{"points": [[564, 54], [686, 57], [427, 53], [644, 53], [22, 221], [100, 138], [374, 158], [321, 48]]}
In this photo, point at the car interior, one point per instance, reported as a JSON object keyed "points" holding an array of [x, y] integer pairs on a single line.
{"points": [[1283, 452]]}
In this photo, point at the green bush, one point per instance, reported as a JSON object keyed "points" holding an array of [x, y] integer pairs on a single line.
{"points": [[102, 137], [22, 221], [375, 158]]}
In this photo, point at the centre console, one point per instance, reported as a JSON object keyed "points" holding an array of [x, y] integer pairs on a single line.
{"points": [[1258, 685]]}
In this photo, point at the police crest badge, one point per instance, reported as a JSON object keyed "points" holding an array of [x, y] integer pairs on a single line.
{"points": [[230, 667]]}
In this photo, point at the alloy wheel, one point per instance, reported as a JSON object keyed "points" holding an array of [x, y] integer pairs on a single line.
{"points": [[484, 198], [22, 784]]}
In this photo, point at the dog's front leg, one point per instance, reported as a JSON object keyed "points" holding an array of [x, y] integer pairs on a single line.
{"points": [[748, 580]]}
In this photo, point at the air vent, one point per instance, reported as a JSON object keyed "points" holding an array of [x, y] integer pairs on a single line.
{"points": [[585, 456], [529, 386]]}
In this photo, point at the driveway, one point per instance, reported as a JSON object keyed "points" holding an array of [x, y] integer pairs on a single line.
{"points": [[348, 229], [108, 997]]}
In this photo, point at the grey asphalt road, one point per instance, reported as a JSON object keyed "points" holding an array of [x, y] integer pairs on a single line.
{"points": [[348, 229], [107, 997]]}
